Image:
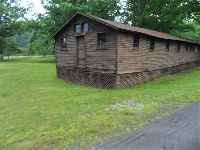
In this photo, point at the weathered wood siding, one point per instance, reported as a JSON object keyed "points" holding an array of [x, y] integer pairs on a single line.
{"points": [[95, 58], [139, 60]]}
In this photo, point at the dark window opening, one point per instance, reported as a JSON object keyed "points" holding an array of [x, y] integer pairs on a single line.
{"points": [[136, 41], [199, 48], [187, 47], [152, 45], [77, 28], [178, 47], [64, 42], [101, 40], [167, 46], [193, 48], [85, 27]]}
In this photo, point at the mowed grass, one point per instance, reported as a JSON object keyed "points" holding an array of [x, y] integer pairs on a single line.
{"points": [[37, 111]]}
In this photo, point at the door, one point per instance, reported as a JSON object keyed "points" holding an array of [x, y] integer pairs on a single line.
{"points": [[81, 59]]}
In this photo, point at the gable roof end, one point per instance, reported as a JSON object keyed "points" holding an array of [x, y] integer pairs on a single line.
{"points": [[103, 21]]}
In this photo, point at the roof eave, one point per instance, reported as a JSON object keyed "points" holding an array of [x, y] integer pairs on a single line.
{"points": [[55, 34]]}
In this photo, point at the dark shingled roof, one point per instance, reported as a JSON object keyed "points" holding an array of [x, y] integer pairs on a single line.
{"points": [[120, 26]]}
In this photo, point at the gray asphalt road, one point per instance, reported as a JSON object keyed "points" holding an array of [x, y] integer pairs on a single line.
{"points": [[179, 131]]}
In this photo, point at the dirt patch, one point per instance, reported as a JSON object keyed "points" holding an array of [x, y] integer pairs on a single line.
{"points": [[125, 104]]}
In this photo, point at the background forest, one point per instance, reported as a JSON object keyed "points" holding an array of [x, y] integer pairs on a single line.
{"points": [[28, 37]]}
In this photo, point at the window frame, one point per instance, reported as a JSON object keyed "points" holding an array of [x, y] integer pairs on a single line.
{"points": [[152, 45], [82, 27], [75, 28], [178, 47], [136, 40], [98, 41], [187, 47], [167, 44], [62, 43], [193, 48]]}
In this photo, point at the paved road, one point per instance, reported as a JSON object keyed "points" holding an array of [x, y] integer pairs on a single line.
{"points": [[179, 131]]}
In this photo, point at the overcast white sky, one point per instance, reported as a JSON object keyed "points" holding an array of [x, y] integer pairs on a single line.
{"points": [[37, 7]]}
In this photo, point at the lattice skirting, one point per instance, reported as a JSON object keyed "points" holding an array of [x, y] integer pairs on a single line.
{"points": [[84, 77], [113, 81]]}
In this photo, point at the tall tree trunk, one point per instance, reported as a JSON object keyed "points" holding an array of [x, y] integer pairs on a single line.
{"points": [[1, 58], [1, 51]]}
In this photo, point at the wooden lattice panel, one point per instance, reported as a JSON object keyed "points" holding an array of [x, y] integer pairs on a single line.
{"points": [[79, 76], [111, 80]]}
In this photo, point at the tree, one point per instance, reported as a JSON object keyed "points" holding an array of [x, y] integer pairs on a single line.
{"points": [[22, 40], [11, 22], [193, 10], [134, 10], [41, 41], [41, 44], [165, 16], [106, 9], [11, 48], [191, 34]]}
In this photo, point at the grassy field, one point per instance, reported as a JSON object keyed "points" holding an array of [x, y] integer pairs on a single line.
{"points": [[37, 111]]}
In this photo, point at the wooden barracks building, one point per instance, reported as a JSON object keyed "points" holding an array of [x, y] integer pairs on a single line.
{"points": [[105, 54]]}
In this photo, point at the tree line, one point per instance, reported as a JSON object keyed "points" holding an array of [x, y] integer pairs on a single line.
{"points": [[177, 17]]}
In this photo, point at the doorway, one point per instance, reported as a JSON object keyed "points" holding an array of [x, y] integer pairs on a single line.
{"points": [[81, 56]]}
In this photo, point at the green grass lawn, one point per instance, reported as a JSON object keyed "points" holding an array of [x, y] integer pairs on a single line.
{"points": [[37, 111]]}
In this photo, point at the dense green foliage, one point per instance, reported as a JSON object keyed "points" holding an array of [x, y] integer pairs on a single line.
{"points": [[22, 40], [193, 34], [37, 111], [11, 22], [11, 48], [168, 16]]}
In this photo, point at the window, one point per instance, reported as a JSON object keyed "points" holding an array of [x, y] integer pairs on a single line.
{"points": [[152, 45], [178, 47], [187, 47], [64, 42], [77, 28], [167, 46], [85, 27], [193, 48], [101, 40], [136, 41], [199, 48], [190, 48], [81, 27]]}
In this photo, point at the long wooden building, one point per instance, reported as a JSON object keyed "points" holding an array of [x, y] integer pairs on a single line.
{"points": [[101, 53]]}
